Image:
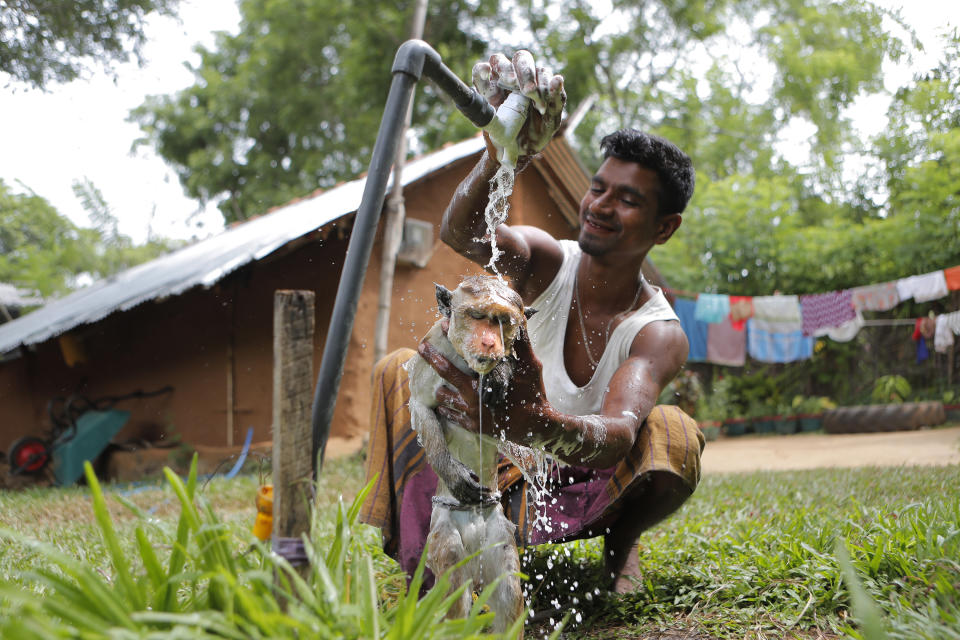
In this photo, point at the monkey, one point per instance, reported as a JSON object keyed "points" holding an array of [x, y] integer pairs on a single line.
{"points": [[482, 318]]}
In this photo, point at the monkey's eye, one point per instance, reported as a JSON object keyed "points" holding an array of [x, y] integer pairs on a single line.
{"points": [[476, 315]]}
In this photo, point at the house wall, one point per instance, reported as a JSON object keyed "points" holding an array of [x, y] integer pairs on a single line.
{"points": [[212, 343]]}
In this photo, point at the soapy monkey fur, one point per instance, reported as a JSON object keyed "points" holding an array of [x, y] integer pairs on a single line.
{"points": [[484, 316]]}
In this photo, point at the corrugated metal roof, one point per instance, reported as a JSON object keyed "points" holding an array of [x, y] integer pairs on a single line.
{"points": [[208, 261]]}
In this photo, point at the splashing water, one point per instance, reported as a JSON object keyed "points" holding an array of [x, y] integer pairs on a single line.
{"points": [[501, 187]]}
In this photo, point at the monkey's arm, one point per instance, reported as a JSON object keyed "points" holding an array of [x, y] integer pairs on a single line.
{"points": [[463, 483]]}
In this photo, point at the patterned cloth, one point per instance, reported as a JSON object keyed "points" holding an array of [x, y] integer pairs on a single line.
{"points": [[876, 297], [766, 346], [696, 330], [776, 314], [712, 307], [826, 310], [741, 310], [923, 288], [952, 278], [587, 500]]}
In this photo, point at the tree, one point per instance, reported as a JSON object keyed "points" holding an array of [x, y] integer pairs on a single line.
{"points": [[41, 250], [42, 42], [293, 101]]}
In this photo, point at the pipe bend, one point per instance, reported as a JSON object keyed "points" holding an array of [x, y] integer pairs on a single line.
{"points": [[411, 57]]}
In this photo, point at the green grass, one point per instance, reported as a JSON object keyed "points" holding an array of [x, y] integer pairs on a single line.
{"points": [[760, 555]]}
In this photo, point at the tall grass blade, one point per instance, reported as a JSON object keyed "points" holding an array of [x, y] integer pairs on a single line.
{"points": [[121, 567], [865, 610]]}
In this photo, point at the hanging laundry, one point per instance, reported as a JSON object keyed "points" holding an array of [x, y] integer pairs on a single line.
{"points": [[777, 314], [947, 325], [876, 297], [952, 278], [726, 344], [923, 288], [696, 330], [766, 346], [741, 310], [712, 307], [845, 332], [826, 310]]}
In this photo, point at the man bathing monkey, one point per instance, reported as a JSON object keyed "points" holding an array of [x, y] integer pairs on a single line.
{"points": [[587, 371]]}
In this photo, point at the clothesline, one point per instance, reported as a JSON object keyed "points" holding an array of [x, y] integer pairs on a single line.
{"points": [[723, 328]]}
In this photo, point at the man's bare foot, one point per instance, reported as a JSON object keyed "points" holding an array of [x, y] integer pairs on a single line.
{"points": [[622, 565]]}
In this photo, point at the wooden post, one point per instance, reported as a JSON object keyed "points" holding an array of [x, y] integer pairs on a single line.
{"points": [[293, 321]]}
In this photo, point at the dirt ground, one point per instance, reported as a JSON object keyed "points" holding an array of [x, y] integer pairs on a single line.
{"points": [[940, 446]]}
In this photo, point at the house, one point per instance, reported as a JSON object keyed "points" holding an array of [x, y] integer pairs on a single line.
{"points": [[199, 320]]}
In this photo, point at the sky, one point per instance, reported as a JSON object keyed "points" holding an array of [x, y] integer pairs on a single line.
{"points": [[50, 139]]}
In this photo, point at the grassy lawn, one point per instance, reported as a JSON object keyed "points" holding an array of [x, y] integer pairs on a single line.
{"points": [[749, 556]]}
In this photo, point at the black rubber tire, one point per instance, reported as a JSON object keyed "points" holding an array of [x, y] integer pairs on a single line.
{"points": [[884, 417]]}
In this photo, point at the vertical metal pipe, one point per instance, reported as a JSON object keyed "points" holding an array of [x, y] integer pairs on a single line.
{"points": [[355, 264], [413, 58]]}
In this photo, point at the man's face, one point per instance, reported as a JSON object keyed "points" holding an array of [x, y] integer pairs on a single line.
{"points": [[618, 214]]}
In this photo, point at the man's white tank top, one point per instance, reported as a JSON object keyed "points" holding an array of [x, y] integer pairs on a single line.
{"points": [[549, 326]]}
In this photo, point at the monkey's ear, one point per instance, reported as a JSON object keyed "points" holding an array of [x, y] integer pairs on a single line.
{"points": [[529, 311], [443, 299]]}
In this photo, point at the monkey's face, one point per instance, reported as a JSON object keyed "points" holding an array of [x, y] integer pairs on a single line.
{"points": [[483, 327]]}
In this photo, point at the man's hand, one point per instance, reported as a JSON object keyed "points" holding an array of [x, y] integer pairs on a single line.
{"points": [[501, 76], [525, 410]]}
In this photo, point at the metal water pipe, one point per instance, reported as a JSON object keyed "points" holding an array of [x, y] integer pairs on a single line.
{"points": [[414, 59]]}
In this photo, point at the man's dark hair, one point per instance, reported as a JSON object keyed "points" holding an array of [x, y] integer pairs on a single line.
{"points": [[672, 166]]}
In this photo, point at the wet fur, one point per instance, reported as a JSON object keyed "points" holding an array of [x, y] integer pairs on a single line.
{"points": [[456, 533]]}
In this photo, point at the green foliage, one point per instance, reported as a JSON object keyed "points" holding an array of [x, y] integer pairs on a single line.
{"points": [[293, 102], [39, 248], [891, 388], [754, 555], [749, 555], [42, 250], [45, 42], [811, 405], [212, 588]]}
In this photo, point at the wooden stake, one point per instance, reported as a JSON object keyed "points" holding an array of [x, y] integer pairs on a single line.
{"points": [[293, 321]]}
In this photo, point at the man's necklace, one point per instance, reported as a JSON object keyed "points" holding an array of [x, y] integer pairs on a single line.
{"points": [[583, 328]]}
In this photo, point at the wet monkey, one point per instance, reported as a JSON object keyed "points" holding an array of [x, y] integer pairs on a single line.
{"points": [[481, 319]]}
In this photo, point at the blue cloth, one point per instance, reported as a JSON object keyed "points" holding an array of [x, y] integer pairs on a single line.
{"points": [[777, 347], [696, 330], [922, 352], [712, 307]]}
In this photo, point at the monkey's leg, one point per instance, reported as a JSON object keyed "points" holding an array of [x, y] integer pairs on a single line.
{"points": [[502, 559], [444, 550]]}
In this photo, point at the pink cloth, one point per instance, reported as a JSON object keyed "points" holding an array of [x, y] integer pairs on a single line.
{"points": [[876, 297], [826, 310], [726, 344]]}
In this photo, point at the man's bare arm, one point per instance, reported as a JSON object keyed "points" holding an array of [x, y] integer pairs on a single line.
{"points": [[656, 356]]}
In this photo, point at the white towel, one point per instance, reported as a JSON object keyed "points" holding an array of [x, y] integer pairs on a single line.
{"points": [[923, 288], [947, 325]]}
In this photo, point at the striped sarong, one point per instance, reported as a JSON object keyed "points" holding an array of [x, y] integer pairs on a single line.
{"points": [[586, 499]]}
